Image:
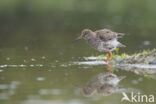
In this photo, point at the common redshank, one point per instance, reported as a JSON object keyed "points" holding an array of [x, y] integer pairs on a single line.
{"points": [[103, 40]]}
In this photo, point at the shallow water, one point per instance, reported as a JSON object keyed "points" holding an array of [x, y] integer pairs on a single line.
{"points": [[44, 81], [40, 64]]}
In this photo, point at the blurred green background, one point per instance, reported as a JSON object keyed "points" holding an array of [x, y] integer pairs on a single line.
{"points": [[40, 32], [28, 21]]}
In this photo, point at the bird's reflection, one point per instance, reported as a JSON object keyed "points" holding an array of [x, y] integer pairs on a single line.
{"points": [[103, 84]]}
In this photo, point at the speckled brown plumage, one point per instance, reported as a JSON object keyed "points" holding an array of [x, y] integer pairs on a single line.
{"points": [[102, 40], [106, 34]]}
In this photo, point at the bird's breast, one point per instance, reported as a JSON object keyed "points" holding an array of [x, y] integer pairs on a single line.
{"points": [[94, 43]]}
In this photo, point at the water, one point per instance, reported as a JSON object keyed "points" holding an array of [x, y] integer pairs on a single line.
{"points": [[40, 64]]}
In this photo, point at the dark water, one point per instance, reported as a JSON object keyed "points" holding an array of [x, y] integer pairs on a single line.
{"points": [[37, 53]]}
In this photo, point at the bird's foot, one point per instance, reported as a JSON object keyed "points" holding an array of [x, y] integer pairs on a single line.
{"points": [[109, 69]]}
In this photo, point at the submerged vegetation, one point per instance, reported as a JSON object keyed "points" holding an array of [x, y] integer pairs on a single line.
{"points": [[139, 63], [142, 63], [143, 57]]}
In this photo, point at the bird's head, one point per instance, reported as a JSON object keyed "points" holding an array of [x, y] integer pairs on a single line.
{"points": [[84, 34]]}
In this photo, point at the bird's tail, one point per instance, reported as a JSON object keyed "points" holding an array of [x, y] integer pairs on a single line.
{"points": [[120, 35], [121, 45]]}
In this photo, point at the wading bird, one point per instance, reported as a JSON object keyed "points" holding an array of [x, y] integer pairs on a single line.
{"points": [[103, 40]]}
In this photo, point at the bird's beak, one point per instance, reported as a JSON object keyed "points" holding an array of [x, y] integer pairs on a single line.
{"points": [[80, 37]]}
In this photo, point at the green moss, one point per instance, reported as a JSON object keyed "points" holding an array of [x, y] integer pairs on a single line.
{"points": [[148, 77], [141, 52], [116, 56], [117, 50]]}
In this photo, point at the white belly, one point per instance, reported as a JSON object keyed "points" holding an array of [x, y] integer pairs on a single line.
{"points": [[113, 42], [108, 45]]}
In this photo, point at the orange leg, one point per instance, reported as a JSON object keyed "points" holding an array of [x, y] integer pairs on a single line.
{"points": [[109, 56], [109, 69]]}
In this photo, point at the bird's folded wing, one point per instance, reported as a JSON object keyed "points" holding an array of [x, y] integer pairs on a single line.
{"points": [[105, 34]]}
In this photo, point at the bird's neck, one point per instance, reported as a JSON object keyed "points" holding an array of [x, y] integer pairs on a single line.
{"points": [[91, 36]]}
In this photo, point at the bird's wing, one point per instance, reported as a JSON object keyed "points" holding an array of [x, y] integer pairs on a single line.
{"points": [[105, 34]]}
